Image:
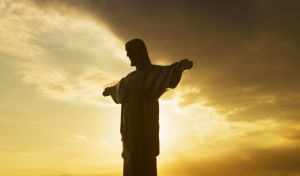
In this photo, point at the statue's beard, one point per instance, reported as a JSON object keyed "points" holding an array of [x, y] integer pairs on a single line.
{"points": [[132, 64]]}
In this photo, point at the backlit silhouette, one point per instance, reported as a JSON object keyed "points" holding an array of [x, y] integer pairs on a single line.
{"points": [[138, 93]]}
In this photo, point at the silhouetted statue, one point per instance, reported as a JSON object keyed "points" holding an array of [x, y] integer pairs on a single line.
{"points": [[138, 93]]}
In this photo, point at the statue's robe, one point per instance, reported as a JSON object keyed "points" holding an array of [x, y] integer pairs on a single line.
{"points": [[138, 93]]}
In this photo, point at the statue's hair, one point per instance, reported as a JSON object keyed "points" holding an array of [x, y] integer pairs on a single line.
{"points": [[139, 46]]}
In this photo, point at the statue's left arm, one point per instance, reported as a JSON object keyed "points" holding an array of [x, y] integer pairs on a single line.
{"points": [[180, 66], [164, 77]]}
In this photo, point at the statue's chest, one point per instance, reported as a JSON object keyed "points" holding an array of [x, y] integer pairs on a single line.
{"points": [[134, 85]]}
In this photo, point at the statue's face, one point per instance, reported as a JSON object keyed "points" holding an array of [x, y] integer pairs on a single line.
{"points": [[132, 55]]}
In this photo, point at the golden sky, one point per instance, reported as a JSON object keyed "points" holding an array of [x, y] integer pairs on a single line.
{"points": [[235, 113]]}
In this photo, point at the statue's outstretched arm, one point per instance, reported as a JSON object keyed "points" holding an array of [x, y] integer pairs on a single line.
{"points": [[107, 91], [114, 92], [180, 66], [184, 64]]}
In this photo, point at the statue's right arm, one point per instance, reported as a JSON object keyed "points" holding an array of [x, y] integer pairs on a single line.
{"points": [[113, 91]]}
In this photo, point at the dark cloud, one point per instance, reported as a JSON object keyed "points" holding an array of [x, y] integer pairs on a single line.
{"points": [[243, 50], [293, 134]]}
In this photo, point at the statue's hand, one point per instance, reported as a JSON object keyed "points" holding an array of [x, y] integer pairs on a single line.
{"points": [[184, 64], [106, 92]]}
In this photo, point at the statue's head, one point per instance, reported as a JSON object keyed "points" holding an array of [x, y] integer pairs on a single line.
{"points": [[137, 53]]}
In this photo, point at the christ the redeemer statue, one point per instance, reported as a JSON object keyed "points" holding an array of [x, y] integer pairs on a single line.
{"points": [[138, 93]]}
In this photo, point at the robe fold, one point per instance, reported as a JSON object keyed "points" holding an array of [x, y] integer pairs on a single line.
{"points": [[138, 93]]}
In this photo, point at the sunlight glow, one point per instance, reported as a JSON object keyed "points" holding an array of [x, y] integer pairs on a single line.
{"points": [[54, 120]]}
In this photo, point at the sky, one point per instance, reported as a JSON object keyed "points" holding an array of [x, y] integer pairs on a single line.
{"points": [[235, 113]]}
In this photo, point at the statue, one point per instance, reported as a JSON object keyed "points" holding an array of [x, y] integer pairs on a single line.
{"points": [[138, 93]]}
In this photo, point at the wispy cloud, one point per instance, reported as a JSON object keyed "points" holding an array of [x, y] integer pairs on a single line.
{"points": [[86, 88], [64, 57], [79, 137]]}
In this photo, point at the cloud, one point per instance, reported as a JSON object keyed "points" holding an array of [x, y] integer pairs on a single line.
{"points": [[293, 134], [240, 98], [85, 88], [243, 51], [64, 57], [79, 138]]}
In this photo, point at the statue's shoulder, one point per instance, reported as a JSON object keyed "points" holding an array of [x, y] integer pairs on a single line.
{"points": [[130, 74], [157, 67]]}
